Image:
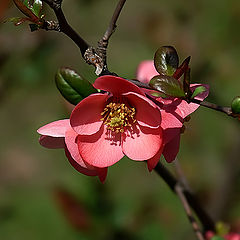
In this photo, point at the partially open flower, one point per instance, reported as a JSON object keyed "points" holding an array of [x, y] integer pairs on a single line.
{"points": [[120, 121], [175, 108], [59, 134]]}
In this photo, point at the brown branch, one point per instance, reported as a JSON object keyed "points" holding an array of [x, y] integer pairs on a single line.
{"points": [[65, 27], [172, 182], [226, 110], [180, 192], [112, 26], [103, 43], [93, 56]]}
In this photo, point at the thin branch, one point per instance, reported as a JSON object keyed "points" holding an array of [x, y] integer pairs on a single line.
{"points": [[112, 26], [226, 110], [93, 56], [65, 27], [181, 176], [179, 191], [172, 182], [103, 43]]}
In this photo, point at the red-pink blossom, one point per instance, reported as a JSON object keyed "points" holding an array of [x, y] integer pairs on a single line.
{"points": [[119, 121], [230, 236], [59, 134], [175, 108]]}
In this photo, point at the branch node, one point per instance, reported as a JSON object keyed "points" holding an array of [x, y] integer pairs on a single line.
{"points": [[92, 58]]}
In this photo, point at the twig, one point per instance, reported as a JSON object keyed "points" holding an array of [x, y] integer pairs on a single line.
{"points": [[172, 182], [180, 174], [93, 56], [112, 26], [103, 43], [179, 191], [65, 27], [226, 110]]}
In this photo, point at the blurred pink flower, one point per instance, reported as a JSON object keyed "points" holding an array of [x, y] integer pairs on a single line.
{"points": [[120, 121], [59, 134], [229, 236], [172, 107]]}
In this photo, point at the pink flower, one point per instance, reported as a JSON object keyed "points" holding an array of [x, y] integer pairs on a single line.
{"points": [[173, 107], [229, 236], [233, 236], [59, 134], [119, 121]]}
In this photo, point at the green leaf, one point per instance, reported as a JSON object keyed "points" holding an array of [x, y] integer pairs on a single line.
{"points": [[167, 85], [17, 20], [166, 60], [26, 10], [72, 86], [37, 7], [217, 238], [26, 3], [197, 91], [236, 105]]}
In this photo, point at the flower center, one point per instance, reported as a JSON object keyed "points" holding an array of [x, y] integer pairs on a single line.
{"points": [[118, 116]]}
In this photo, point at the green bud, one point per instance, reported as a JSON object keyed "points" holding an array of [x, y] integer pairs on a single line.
{"points": [[167, 85], [72, 86], [236, 105], [166, 60]]}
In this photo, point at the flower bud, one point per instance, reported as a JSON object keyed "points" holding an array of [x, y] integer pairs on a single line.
{"points": [[236, 105]]}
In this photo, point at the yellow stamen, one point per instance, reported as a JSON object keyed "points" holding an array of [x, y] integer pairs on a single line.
{"points": [[118, 116]]}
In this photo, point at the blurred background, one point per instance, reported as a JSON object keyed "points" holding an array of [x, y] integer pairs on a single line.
{"points": [[43, 197]]}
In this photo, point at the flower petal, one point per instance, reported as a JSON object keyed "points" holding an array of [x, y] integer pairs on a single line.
{"points": [[79, 168], [171, 149], [147, 113], [116, 85], [143, 143], [101, 149], [52, 142], [89, 170], [86, 116], [70, 140], [170, 120], [146, 71], [55, 129], [152, 162]]}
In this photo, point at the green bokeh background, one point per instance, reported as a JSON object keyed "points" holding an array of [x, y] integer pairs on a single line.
{"points": [[133, 203]]}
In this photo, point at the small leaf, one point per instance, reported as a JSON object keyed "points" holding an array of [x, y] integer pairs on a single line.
{"points": [[17, 20], [236, 105], [166, 60], [197, 91], [25, 10], [167, 85], [72, 86], [182, 68], [37, 7], [26, 3]]}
